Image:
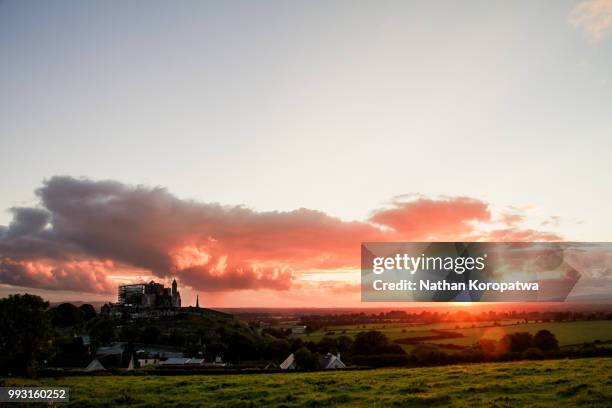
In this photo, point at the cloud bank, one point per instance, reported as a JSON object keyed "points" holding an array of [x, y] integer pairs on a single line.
{"points": [[87, 235]]}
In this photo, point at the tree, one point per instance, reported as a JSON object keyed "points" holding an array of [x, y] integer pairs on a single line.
{"points": [[71, 352], [101, 330], [306, 360], [150, 335], [129, 334], [545, 341], [344, 344], [67, 315], [25, 333], [87, 311], [519, 342], [241, 347], [277, 349], [374, 342], [296, 343], [275, 332], [327, 344]]}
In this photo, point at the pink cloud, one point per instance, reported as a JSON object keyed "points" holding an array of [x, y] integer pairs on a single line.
{"points": [[511, 219], [83, 234], [424, 219]]}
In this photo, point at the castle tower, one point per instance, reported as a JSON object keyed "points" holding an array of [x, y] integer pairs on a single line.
{"points": [[176, 296]]}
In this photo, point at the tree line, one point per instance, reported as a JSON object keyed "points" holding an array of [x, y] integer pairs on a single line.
{"points": [[35, 335]]}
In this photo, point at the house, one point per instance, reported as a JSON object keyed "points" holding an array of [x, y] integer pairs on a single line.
{"points": [[331, 362], [298, 329], [95, 365], [182, 362], [217, 363], [161, 352], [117, 356], [258, 364], [289, 363], [148, 361], [328, 361], [128, 362], [196, 362], [272, 365], [114, 348]]}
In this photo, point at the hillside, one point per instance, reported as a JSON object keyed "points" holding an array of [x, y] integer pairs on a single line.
{"points": [[584, 382]]}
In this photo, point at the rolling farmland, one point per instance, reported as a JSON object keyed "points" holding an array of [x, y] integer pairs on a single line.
{"points": [[568, 333]]}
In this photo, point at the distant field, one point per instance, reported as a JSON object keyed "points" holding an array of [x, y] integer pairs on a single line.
{"points": [[567, 333], [558, 383], [395, 330]]}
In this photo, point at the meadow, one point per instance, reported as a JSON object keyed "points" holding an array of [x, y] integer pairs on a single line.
{"points": [[567, 383], [568, 333]]}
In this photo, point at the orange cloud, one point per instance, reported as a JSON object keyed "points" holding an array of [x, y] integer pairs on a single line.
{"points": [[79, 276], [426, 219], [83, 233]]}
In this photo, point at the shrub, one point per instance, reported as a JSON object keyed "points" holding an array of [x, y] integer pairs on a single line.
{"points": [[427, 355], [533, 353], [518, 342], [381, 360]]}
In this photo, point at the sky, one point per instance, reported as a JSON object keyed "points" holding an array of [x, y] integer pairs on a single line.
{"points": [[248, 147]]}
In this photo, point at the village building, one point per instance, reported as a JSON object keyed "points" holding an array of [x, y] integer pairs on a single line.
{"points": [[289, 363], [297, 329], [95, 365], [328, 361], [331, 362], [182, 362]]}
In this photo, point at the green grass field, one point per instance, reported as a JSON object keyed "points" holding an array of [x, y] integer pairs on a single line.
{"points": [[557, 383], [568, 333]]}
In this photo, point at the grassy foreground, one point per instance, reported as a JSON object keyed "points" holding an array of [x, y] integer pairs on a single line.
{"points": [[584, 382]]}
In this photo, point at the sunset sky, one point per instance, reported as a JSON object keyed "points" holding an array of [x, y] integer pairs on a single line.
{"points": [[247, 148]]}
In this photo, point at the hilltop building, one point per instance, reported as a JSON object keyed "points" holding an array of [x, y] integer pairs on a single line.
{"points": [[152, 301], [150, 294]]}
